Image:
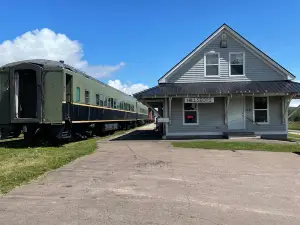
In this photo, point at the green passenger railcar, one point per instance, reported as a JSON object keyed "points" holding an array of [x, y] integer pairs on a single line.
{"points": [[52, 99]]}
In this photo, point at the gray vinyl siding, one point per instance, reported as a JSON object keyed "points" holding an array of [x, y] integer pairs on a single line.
{"points": [[275, 114], [211, 117], [255, 68]]}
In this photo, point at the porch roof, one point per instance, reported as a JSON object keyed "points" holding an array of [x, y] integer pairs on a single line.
{"points": [[221, 88]]}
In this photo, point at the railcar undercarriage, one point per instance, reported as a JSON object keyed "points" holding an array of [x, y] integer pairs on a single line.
{"points": [[46, 133]]}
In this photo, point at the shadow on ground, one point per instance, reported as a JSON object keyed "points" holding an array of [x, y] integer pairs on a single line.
{"points": [[12, 143], [139, 135]]}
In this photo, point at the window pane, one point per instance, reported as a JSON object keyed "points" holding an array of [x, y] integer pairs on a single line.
{"points": [[101, 100], [237, 70], [87, 97], [77, 94], [105, 101], [190, 106], [212, 59], [212, 70], [236, 58], [112, 103], [97, 99], [261, 116], [190, 117], [260, 103]]}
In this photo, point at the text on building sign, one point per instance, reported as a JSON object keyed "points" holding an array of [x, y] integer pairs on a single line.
{"points": [[199, 100]]}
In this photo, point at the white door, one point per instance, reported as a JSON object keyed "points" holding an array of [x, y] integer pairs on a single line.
{"points": [[236, 117]]}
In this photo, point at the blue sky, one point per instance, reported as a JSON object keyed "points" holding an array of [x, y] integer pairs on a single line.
{"points": [[141, 40]]}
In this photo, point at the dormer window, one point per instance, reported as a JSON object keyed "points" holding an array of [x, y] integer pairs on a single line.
{"points": [[211, 64], [237, 63]]}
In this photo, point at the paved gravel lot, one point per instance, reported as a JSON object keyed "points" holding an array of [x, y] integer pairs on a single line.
{"points": [[150, 182]]}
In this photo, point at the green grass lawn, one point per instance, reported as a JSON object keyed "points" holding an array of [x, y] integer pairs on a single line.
{"points": [[294, 126], [232, 145], [295, 137], [19, 165]]}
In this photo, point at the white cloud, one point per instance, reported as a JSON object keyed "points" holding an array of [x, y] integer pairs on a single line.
{"points": [[46, 44], [127, 88]]}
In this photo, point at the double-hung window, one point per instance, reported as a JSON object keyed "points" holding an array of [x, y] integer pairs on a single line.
{"points": [[190, 113], [237, 63], [261, 109], [211, 64]]}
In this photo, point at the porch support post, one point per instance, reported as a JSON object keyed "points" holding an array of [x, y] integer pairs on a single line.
{"points": [[287, 103], [226, 109], [283, 109], [165, 116], [170, 107]]}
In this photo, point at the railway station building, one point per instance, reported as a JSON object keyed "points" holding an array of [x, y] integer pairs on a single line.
{"points": [[225, 86]]}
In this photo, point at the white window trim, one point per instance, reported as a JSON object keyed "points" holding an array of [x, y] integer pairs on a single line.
{"points": [[268, 109], [197, 111], [244, 63], [210, 53]]}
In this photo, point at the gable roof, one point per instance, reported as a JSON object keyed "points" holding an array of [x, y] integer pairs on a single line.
{"points": [[240, 38]]}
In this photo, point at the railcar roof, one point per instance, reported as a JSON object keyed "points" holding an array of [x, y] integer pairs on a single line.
{"points": [[49, 64]]}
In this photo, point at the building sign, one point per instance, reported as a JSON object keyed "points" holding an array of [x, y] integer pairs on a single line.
{"points": [[199, 100], [163, 120]]}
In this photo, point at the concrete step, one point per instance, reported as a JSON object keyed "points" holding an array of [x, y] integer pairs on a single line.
{"points": [[241, 135]]}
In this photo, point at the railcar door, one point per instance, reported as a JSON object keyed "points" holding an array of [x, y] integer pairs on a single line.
{"points": [[4, 98], [26, 93], [69, 98]]}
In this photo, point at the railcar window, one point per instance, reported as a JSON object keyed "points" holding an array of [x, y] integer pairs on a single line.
{"points": [[109, 102], [97, 99], [105, 101], [101, 100], [112, 103], [87, 97], [144, 111], [78, 94]]}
